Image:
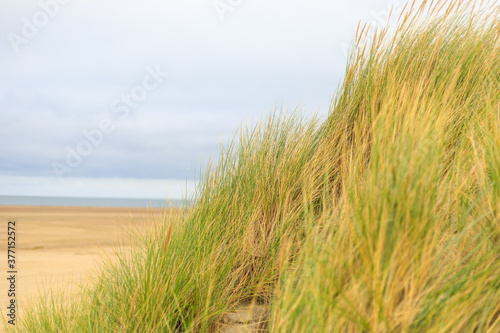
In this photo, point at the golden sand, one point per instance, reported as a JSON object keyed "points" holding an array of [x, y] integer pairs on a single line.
{"points": [[58, 247]]}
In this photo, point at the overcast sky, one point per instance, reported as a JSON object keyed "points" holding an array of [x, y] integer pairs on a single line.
{"points": [[131, 98]]}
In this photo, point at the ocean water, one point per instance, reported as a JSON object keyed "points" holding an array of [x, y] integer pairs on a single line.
{"points": [[87, 202]]}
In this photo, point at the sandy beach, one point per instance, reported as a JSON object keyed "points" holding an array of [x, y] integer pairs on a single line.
{"points": [[57, 247]]}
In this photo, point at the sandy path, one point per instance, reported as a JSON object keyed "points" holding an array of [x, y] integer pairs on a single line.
{"points": [[58, 246]]}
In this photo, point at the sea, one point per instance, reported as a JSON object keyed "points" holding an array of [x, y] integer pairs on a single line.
{"points": [[90, 202]]}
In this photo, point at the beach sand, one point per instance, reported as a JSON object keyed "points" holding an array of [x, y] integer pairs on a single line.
{"points": [[58, 247]]}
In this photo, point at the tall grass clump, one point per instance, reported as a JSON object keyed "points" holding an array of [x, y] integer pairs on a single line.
{"points": [[410, 243], [383, 218]]}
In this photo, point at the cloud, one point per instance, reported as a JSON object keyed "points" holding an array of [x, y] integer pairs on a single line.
{"points": [[103, 187]]}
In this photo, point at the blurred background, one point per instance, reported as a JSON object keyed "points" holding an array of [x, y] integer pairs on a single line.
{"points": [[130, 99]]}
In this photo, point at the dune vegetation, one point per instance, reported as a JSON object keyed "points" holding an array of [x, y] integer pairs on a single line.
{"points": [[382, 217]]}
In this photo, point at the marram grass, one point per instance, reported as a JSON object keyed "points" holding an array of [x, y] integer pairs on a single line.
{"points": [[383, 218]]}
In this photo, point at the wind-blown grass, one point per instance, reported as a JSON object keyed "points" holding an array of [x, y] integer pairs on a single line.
{"points": [[384, 218]]}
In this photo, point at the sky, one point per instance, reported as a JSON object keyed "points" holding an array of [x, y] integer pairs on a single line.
{"points": [[131, 99]]}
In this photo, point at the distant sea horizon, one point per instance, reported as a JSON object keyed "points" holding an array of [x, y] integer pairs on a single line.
{"points": [[15, 200]]}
